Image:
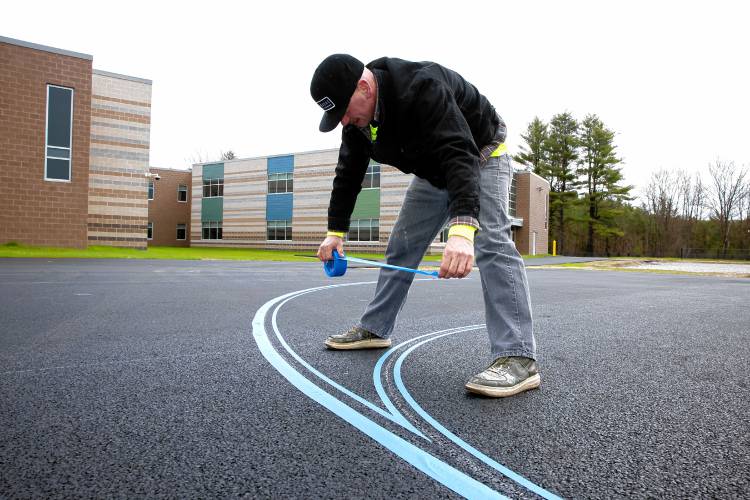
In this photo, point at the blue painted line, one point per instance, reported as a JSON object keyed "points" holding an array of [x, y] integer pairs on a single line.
{"points": [[396, 418], [376, 373], [460, 442], [431, 466]]}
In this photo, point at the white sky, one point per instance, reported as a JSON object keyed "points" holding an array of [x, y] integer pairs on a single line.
{"points": [[671, 78]]}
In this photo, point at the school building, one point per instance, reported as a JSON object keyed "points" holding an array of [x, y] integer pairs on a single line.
{"points": [[74, 150], [281, 202], [74, 171]]}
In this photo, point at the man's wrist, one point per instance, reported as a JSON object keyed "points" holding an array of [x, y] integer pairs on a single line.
{"points": [[462, 230], [339, 234]]}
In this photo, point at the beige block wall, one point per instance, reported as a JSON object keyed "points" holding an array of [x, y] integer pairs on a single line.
{"points": [[245, 186], [245, 190], [119, 160], [531, 205]]}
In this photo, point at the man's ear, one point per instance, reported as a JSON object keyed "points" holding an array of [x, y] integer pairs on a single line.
{"points": [[364, 87]]}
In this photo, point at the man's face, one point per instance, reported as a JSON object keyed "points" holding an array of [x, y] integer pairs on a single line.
{"points": [[361, 108]]}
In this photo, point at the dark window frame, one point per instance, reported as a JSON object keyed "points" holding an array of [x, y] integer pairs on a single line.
{"points": [[279, 230], [213, 188], [364, 230], [57, 154], [212, 230]]}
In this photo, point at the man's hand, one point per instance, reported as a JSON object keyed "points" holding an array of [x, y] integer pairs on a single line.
{"points": [[458, 258], [331, 243]]}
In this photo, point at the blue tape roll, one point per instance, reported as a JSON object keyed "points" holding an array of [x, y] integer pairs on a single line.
{"points": [[335, 267]]}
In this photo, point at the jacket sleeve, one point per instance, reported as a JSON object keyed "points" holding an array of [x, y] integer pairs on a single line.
{"points": [[350, 172], [445, 136]]}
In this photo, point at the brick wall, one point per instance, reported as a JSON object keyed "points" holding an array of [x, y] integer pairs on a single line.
{"points": [[34, 211], [120, 142], [531, 205], [165, 211]]}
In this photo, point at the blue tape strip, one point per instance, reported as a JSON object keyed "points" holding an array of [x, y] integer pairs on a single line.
{"points": [[337, 266], [433, 467], [394, 417], [460, 442]]}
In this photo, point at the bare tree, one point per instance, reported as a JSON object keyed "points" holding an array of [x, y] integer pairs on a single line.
{"points": [[228, 155], [662, 202], [198, 156], [726, 190], [692, 195]]}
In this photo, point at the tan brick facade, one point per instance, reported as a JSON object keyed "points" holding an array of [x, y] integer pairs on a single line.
{"points": [[120, 142], [532, 193], [245, 192], [33, 210], [165, 211]]}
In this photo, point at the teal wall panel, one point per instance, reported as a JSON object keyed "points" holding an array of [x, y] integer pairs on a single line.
{"points": [[368, 205], [212, 209], [213, 171]]}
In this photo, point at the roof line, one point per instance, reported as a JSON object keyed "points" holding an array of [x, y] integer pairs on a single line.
{"points": [[36, 46]]}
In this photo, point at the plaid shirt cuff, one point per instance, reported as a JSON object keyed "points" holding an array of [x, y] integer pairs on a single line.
{"points": [[464, 220]]}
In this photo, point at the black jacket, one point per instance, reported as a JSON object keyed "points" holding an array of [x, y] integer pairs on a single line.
{"points": [[432, 123]]}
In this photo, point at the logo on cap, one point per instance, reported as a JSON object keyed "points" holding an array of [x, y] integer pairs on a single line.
{"points": [[326, 103]]}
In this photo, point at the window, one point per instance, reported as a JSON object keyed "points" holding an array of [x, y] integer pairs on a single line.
{"points": [[444, 234], [181, 231], [512, 198], [59, 133], [279, 229], [364, 230], [150, 231], [213, 188], [182, 192], [372, 177], [280, 183], [150, 190], [212, 230]]}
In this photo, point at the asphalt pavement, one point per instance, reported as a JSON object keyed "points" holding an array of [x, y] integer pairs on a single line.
{"points": [[183, 379]]}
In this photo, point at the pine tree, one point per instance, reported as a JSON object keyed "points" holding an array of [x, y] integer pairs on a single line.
{"points": [[534, 154], [561, 147], [598, 168]]}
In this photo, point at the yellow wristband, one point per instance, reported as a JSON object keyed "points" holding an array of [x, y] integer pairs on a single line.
{"points": [[463, 230], [336, 233], [501, 149]]}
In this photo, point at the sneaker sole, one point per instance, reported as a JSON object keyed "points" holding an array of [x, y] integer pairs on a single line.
{"points": [[360, 344], [503, 392]]}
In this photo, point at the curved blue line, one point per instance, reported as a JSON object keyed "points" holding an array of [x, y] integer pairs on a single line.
{"points": [[460, 442], [396, 418], [376, 372], [433, 467]]}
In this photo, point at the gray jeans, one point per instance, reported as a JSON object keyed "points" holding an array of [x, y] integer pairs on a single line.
{"points": [[424, 212]]}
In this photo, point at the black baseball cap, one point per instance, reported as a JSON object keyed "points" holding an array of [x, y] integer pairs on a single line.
{"points": [[333, 85]]}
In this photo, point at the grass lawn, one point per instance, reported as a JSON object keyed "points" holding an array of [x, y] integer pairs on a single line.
{"points": [[175, 253], [171, 253]]}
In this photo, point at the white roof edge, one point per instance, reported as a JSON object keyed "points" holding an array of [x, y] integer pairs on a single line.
{"points": [[524, 171], [122, 77], [188, 169], [269, 156], [46, 48]]}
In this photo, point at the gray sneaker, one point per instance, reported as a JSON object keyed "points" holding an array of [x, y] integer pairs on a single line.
{"points": [[357, 338], [505, 377]]}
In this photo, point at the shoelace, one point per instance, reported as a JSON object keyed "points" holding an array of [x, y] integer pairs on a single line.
{"points": [[500, 366]]}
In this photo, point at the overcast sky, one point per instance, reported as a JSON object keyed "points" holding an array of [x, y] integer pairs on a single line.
{"points": [[672, 79]]}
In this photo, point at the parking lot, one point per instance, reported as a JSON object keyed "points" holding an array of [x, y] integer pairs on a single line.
{"points": [[207, 379]]}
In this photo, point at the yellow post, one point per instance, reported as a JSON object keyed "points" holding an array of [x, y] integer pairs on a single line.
{"points": [[554, 248]]}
